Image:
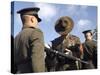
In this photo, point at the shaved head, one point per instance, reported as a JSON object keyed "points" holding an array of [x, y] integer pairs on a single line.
{"points": [[29, 19]]}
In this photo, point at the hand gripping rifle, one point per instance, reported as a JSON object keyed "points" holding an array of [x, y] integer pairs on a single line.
{"points": [[65, 55]]}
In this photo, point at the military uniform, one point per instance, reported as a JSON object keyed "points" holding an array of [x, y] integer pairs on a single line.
{"points": [[71, 43], [29, 47], [89, 53], [29, 50], [66, 41]]}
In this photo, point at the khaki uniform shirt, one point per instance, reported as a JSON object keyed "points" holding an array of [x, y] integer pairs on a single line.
{"points": [[29, 50]]}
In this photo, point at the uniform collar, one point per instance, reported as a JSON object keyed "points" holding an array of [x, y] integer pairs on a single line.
{"points": [[27, 26]]}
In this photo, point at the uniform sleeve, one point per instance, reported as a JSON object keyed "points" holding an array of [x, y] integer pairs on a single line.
{"points": [[37, 47], [78, 41], [79, 47]]}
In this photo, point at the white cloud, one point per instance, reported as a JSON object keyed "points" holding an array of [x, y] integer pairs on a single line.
{"points": [[77, 10], [72, 10], [47, 12], [84, 7], [84, 22], [18, 19]]}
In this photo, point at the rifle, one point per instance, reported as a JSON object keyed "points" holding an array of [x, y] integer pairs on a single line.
{"points": [[65, 55]]}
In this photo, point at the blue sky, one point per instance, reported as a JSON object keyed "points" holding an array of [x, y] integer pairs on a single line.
{"points": [[84, 17]]}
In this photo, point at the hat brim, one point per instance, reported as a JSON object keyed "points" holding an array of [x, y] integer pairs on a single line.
{"points": [[30, 11], [36, 15], [64, 29], [87, 31], [39, 20]]}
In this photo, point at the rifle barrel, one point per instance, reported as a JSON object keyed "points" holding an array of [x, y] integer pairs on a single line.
{"points": [[67, 56]]}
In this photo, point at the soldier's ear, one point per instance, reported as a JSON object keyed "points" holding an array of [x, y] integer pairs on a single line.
{"points": [[32, 19]]}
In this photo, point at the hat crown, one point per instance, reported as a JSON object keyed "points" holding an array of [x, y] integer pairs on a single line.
{"points": [[64, 25], [30, 11], [25, 10], [86, 31]]}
